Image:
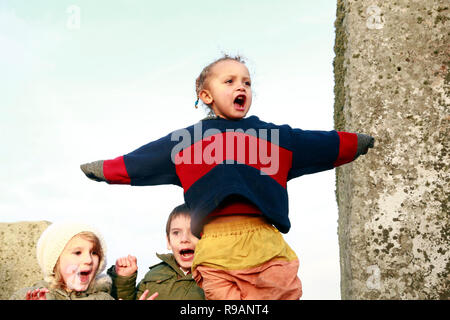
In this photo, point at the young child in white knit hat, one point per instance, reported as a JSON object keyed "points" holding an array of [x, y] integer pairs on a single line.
{"points": [[72, 257]]}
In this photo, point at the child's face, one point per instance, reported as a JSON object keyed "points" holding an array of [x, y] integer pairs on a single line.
{"points": [[78, 263], [228, 90], [181, 241]]}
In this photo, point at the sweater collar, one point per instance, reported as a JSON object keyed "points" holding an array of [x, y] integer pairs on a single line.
{"points": [[214, 117]]}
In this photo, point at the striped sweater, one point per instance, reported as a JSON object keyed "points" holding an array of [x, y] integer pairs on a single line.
{"points": [[216, 159]]}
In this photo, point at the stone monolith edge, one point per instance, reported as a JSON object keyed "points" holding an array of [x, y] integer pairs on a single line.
{"points": [[392, 81]]}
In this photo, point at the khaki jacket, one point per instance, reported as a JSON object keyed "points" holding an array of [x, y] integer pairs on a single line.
{"points": [[166, 278], [100, 290]]}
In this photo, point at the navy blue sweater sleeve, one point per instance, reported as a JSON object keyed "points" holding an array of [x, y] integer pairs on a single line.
{"points": [[312, 151], [152, 164]]}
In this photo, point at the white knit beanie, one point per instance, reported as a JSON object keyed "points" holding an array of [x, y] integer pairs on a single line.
{"points": [[53, 241]]}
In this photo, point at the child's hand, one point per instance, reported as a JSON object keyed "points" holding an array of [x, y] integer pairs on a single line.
{"points": [[364, 143], [94, 170], [144, 296], [37, 294], [126, 266]]}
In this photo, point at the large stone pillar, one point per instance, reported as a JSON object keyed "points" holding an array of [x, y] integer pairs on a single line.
{"points": [[18, 263], [393, 82]]}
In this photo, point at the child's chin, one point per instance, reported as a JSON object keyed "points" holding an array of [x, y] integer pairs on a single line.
{"points": [[185, 265], [78, 286]]}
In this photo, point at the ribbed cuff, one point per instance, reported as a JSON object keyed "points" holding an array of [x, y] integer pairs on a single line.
{"points": [[364, 143], [94, 170]]}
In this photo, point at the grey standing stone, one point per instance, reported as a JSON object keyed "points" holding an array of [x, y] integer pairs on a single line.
{"points": [[18, 264], [392, 81]]}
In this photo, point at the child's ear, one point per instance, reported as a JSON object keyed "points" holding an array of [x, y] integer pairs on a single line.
{"points": [[206, 97], [169, 247]]}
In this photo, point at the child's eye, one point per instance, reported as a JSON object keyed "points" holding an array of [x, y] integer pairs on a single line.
{"points": [[248, 83], [229, 81], [77, 253]]}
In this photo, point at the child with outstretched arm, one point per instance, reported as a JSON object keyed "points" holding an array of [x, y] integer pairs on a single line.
{"points": [[234, 172]]}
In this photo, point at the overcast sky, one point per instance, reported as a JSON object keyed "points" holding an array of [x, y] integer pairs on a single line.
{"points": [[89, 80]]}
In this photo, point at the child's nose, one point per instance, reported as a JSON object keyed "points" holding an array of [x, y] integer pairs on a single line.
{"points": [[87, 258], [185, 237]]}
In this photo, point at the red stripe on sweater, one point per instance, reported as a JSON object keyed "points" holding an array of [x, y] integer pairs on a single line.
{"points": [[115, 171], [198, 159], [348, 144]]}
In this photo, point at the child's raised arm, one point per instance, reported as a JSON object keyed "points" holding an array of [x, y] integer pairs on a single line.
{"points": [[126, 266]]}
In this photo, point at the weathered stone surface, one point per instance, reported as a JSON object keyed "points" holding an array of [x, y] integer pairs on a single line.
{"points": [[393, 82], [18, 264]]}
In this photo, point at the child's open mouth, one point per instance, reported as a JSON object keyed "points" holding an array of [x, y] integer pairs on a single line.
{"points": [[84, 275], [239, 102], [187, 254]]}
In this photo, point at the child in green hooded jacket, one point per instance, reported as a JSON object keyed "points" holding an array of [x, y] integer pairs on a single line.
{"points": [[170, 279]]}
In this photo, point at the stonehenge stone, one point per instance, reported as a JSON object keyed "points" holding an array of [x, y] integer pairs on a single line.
{"points": [[18, 264], [392, 81]]}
